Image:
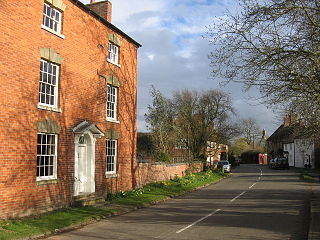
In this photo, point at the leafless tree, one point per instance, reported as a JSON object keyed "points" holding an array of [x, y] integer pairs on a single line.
{"points": [[250, 130], [273, 45], [192, 117], [202, 117]]}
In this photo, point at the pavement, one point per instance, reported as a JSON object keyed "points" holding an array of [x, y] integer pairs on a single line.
{"points": [[314, 227]]}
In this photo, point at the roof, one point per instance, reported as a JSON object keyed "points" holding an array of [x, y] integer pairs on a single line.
{"points": [[105, 22], [284, 133]]}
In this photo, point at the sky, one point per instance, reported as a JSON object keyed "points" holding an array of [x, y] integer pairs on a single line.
{"points": [[174, 52]]}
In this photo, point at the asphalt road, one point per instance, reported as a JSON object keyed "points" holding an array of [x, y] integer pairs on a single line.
{"points": [[254, 203]]}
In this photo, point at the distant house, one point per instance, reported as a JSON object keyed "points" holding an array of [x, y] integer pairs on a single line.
{"points": [[216, 152], [284, 135], [290, 142]]}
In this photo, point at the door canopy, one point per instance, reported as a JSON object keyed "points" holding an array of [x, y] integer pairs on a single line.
{"points": [[85, 127]]}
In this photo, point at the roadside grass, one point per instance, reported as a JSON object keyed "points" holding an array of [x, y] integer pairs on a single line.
{"points": [[159, 191], [308, 176], [49, 222], [148, 194]]}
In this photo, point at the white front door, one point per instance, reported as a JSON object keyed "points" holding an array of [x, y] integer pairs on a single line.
{"points": [[83, 168], [84, 165]]}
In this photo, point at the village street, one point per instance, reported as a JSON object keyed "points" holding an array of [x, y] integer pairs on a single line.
{"points": [[253, 203]]}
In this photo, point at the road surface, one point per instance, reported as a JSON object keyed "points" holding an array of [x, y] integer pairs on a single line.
{"points": [[253, 203]]}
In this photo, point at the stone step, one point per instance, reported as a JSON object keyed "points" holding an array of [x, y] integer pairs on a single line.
{"points": [[89, 200]]}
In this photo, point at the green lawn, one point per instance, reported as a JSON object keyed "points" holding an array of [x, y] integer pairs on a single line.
{"points": [[49, 222], [158, 191], [151, 193], [309, 176]]}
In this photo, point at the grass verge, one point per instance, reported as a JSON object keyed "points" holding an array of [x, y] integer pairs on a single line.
{"points": [[49, 222], [159, 191], [309, 177], [148, 194]]}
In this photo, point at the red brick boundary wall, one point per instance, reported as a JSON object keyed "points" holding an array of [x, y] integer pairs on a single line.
{"points": [[154, 172]]}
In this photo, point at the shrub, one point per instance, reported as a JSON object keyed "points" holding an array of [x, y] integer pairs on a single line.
{"points": [[163, 157]]}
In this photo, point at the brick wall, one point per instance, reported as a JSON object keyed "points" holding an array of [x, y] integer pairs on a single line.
{"points": [[154, 172], [82, 96]]}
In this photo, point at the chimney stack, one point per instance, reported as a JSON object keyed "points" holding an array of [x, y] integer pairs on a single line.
{"points": [[290, 119], [102, 8]]}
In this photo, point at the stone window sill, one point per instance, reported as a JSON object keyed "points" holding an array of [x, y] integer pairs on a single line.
{"points": [[111, 175], [116, 64], [53, 32], [112, 120], [53, 109], [46, 181]]}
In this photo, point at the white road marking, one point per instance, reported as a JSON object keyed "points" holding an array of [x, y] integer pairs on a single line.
{"points": [[218, 210], [237, 196], [199, 220]]}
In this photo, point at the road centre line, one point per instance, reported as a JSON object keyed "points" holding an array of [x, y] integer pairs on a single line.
{"points": [[199, 220], [238, 196], [218, 210]]}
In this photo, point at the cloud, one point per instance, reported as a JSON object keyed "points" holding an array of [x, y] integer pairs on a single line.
{"points": [[174, 54]]}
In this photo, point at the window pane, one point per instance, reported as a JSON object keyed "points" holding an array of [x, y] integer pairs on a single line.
{"points": [[48, 83], [111, 155], [50, 170], [57, 16], [54, 80], [41, 173], [46, 155], [44, 77], [47, 23]]}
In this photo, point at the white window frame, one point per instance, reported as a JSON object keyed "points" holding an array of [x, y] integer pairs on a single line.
{"points": [[113, 53], [112, 103], [53, 22], [44, 84], [111, 155], [45, 156]]}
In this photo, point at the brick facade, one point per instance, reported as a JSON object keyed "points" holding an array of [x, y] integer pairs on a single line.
{"points": [[81, 97]]}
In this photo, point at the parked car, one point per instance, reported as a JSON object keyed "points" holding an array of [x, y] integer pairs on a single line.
{"points": [[280, 163], [224, 165], [271, 162]]}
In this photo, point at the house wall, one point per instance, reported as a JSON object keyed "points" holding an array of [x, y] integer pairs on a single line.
{"points": [[303, 149], [82, 96], [154, 172], [289, 147]]}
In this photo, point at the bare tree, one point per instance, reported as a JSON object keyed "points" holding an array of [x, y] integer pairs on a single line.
{"points": [[250, 130], [191, 117], [273, 45], [201, 116]]}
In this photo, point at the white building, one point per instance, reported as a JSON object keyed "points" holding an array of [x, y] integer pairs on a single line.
{"points": [[304, 152], [288, 149]]}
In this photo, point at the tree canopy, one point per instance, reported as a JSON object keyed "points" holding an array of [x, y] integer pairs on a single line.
{"points": [[273, 45], [191, 117]]}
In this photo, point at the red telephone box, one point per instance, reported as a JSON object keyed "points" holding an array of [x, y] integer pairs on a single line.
{"points": [[263, 158]]}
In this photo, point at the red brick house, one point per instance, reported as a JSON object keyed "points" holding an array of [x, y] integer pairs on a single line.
{"points": [[67, 104]]}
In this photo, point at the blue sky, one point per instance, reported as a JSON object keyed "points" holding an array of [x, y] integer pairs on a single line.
{"points": [[174, 53]]}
